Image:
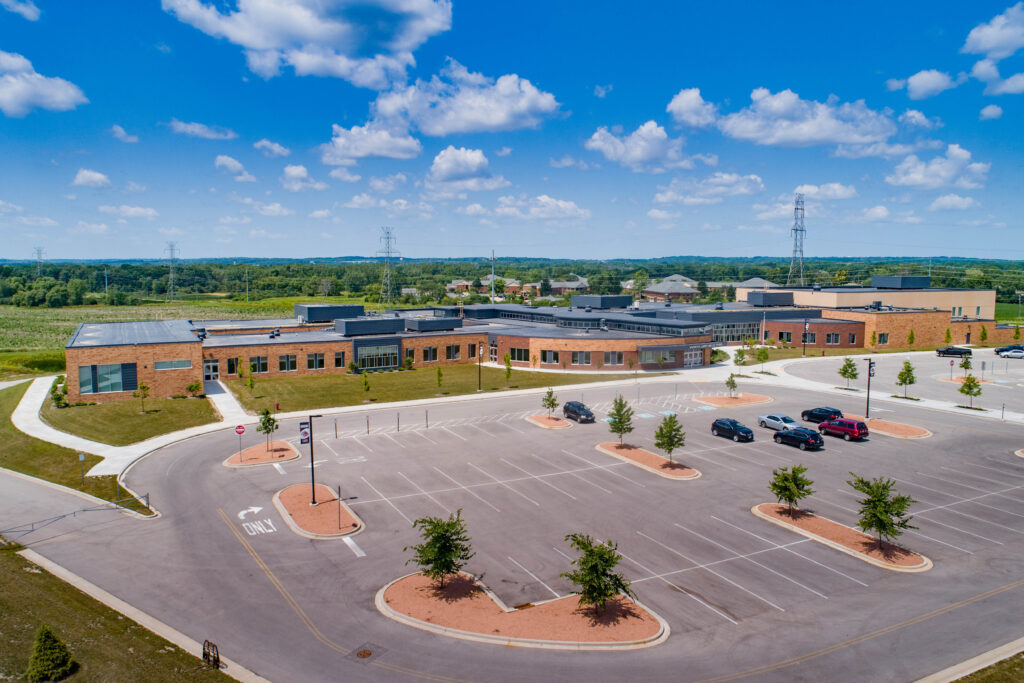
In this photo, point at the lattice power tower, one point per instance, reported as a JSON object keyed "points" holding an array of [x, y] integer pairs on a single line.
{"points": [[388, 251], [796, 265]]}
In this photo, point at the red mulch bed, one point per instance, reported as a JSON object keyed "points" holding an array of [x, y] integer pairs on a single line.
{"points": [[280, 451], [733, 401], [321, 518], [843, 535], [463, 605], [549, 421], [644, 457], [892, 428]]}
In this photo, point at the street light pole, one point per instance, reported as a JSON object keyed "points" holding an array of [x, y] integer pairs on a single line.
{"points": [[867, 399], [479, 360], [804, 337], [312, 469]]}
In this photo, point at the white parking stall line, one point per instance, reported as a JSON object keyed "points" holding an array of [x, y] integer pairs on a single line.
{"points": [[353, 546], [1013, 472], [420, 489], [685, 591], [974, 499], [561, 553], [394, 441], [930, 521], [277, 466], [480, 429], [535, 577], [509, 426], [690, 454], [359, 441], [467, 490], [728, 549], [327, 446], [966, 486], [776, 546], [386, 499], [606, 468], [958, 512], [536, 478], [728, 580], [956, 547], [586, 481], [976, 476], [457, 436], [498, 481], [419, 432]]}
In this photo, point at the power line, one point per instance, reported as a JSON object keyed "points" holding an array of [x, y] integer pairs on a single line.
{"points": [[796, 264], [388, 251]]}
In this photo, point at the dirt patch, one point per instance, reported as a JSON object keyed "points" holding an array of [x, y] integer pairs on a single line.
{"points": [[323, 520], [464, 605], [888, 555], [897, 429], [280, 451], [649, 461], [549, 422], [960, 380], [1020, 453], [733, 401]]}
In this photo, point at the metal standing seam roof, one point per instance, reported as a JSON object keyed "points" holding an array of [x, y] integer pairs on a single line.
{"points": [[90, 335]]}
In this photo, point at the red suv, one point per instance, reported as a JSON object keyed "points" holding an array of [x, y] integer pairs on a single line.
{"points": [[848, 429]]}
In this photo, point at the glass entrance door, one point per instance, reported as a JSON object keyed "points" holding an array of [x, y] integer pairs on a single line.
{"points": [[211, 369]]}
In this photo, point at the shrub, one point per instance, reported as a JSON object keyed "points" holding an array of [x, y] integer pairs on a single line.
{"points": [[50, 660]]}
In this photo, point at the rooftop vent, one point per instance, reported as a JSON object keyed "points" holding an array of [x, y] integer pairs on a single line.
{"points": [[876, 305], [587, 309], [719, 306], [817, 288]]}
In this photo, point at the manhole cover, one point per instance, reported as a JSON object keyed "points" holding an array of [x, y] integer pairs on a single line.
{"points": [[363, 654], [367, 652]]}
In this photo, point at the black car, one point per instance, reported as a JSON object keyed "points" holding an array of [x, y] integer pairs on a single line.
{"points": [[731, 428], [577, 411], [801, 438], [820, 414], [952, 351], [1011, 347]]}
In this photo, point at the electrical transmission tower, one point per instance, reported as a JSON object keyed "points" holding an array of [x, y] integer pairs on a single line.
{"points": [[796, 265], [388, 251], [39, 253], [172, 255]]}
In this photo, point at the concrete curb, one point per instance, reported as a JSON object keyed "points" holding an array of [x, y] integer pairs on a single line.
{"points": [[231, 668], [875, 430], [286, 516], [1020, 453], [227, 461], [390, 613], [675, 477], [83, 495], [701, 399], [923, 567], [966, 668], [566, 424]]}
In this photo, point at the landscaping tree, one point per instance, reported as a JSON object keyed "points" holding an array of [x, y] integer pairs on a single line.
{"points": [[508, 368], [790, 486], [194, 388], [730, 383], [440, 378], [848, 371], [881, 510], [445, 549], [545, 287], [407, 363], [874, 338], [670, 435], [910, 337], [1016, 331], [949, 337], [965, 363], [984, 334], [239, 368], [640, 282], [630, 362], [620, 417], [549, 401], [251, 379], [142, 393], [906, 377], [740, 357], [761, 355], [50, 660], [971, 388], [366, 383], [268, 425], [353, 367], [595, 574]]}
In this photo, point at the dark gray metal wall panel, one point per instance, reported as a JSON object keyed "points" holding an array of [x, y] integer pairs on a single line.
{"points": [[432, 324], [901, 281], [602, 300], [358, 326], [765, 298], [129, 377], [323, 313]]}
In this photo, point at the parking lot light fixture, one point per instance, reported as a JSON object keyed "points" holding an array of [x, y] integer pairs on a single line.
{"points": [[312, 469]]}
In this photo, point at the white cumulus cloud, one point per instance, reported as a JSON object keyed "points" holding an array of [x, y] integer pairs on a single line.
{"points": [[90, 228], [601, 91], [201, 130], [26, 8], [875, 213], [1000, 37], [917, 119], [122, 135], [320, 214], [952, 202], [990, 112], [296, 179], [271, 149], [343, 174], [372, 140], [568, 161], [89, 178], [690, 108], [987, 71], [458, 169], [710, 190], [234, 166], [22, 89], [953, 168], [37, 221], [387, 184], [542, 207], [827, 191], [925, 83], [125, 211], [648, 148]]}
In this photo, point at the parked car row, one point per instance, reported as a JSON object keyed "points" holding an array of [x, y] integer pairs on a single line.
{"points": [[788, 431], [952, 351]]}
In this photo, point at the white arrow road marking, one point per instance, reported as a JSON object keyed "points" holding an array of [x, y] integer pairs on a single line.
{"points": [[253, 509], [277, 466], [353, 547], [315, 463]]}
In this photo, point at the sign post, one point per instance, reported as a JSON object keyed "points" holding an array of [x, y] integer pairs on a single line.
{"points": [[951, 370], [81, 461], [306, 436], [867, 399], [240, 429]]}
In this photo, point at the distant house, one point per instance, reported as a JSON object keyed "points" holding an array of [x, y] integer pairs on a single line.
{"points": [[756, 282], [670, 291], [512, 285], [458, 286], [563, 287], [411, 291], [679, 278]]}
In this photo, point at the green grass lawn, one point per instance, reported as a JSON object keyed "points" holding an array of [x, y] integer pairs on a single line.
{"points": [[121, 423], [106, 645], [1010, 669], [1007, 313], [328, 391], [48, 461]]}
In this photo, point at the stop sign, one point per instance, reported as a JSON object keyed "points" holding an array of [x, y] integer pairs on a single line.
{"points": [[239, 430]]}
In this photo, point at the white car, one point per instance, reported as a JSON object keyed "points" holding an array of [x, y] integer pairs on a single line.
{"points": [[777, 422], [1015, 353]]}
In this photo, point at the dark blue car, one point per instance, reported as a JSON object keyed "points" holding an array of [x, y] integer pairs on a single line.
{"points": [[804, 439], [731, 428]]}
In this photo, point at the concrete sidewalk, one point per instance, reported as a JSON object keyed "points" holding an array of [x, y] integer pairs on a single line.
{"points": [[231, 411]]}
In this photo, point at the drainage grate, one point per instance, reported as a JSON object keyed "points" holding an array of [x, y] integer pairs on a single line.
{"points": [[367, 652]]}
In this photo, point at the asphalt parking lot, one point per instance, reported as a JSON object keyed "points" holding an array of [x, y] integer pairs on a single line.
{"points": [[738, 593]]}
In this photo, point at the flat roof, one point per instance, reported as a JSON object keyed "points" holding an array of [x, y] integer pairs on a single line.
{"points": [[817, 321], [133, 333]]}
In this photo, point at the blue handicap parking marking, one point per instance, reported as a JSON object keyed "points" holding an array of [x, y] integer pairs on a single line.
{"points": [[606, 419], [707, 407], [645, 415], [668, 412]]}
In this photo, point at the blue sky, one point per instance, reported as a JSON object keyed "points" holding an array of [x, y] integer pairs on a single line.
{"points": [[297, 128]]}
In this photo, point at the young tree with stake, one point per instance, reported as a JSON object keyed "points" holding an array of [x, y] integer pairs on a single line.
{"points": [[445, 549], [971, 388], [881, 510], [761, 355], [250, 381], [730, 384], [508, 368], [549, 401], [620, 418], [670, 435], [906, 377], [740, 357], [965, 364], [440, 378], [594, 572], [790, 486], [142, 393], [366, 385], [910, 337], [268, 425], [949, 337], [848, 371], [984, 334]]}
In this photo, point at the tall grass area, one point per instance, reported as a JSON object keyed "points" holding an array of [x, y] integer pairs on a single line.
{"points": [[1008, 313]]}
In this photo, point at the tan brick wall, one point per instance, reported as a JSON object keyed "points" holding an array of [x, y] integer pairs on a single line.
{"points": [[273, 351], [597, 347], [820, 330], [440, 342], [979, 303], [929, 326], [162, 383]]}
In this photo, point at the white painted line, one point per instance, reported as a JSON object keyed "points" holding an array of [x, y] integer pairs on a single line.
{"points": [[535, 577], [514, 429], [969, 533], [947, 508], [918, 533], [394, 440], [586, 481], [688, 559], [946, 479], [467, 490], [420, 489], [481, 430], [974, 500], [420, 433], [606, 468], [543, 481], [690, 454], [457, 436], [523, 495], [353, 547], [976, 476], [561, 553], [277, 466], [727, 548], [1015, 473], [654, 575], [358, 441], [386, 500], [329, 448]]}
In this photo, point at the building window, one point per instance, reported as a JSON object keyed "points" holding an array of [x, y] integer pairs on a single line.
{"points": [[410, 354], [105, 379], [452, 352], [258, 364], [651, 357], [172, 365], [832, 338], [613, 357], [766, 333], [883, 338], [373, 357], [853, 339], [549, 357], [519, 355], [286, 363], [314, 361], [810, 337], [471, 350], [492, 352], [339, 359], [977, 311], [429, 354], [785, 337], [232, 366], [581, 357]]}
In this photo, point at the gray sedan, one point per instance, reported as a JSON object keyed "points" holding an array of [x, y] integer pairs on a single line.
{"points": [[777, 422]]}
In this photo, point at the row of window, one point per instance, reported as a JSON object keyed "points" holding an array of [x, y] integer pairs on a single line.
{"points": [[831, 338], [451, 352], [286, 363], [172, 364], [549, 357], [105, 379]]}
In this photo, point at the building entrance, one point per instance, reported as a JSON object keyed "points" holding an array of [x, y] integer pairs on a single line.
{"points": [[211, 369]]}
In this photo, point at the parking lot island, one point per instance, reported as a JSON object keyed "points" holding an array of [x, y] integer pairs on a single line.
{"points": [[843, 538], [898, 429], [652, 462], [549, 421], [466, 609], [279, 451], [321, 521], [734, 401]]}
